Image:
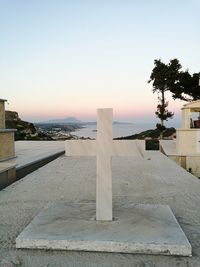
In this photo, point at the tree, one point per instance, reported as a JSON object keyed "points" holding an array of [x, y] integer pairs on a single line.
{"points": [[164, 77], [187, 88], [170, 77]]}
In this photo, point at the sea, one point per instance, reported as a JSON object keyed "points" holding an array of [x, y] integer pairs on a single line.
{"points": [[119, 130]]}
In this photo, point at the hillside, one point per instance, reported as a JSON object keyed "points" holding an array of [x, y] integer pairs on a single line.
{"points": [[169, 133], [25, 130], [46, 131], [52, 131], [67, 120], [151, 137]]}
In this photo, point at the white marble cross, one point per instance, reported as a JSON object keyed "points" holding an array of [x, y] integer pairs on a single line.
{"points": [[104, 148]]}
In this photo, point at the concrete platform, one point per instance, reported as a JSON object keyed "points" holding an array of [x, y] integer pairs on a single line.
{"points": [[168, 147], [31, 155], [7, 174], [139, 228], [30, 151]]}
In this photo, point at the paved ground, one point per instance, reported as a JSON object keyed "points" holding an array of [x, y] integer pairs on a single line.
{"points": [[153, 180], [30, 151]]}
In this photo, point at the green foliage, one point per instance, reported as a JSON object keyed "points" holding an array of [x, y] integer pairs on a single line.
{"points": [[20, 135], [151, 137], [171, 77], [187, 88], [162, 112], [149, 134], [152, 144], [160, 127], [165, 76]]}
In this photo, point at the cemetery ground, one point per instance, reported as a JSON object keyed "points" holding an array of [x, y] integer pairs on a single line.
{"points": [[151, 180]]}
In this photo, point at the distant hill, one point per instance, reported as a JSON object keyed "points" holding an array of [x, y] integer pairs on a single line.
{"points": [[114, 122], [74, 120], [169, 133], [68, 120]]}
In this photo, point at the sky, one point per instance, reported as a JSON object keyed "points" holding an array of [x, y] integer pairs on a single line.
{"points": [[69, 57]]}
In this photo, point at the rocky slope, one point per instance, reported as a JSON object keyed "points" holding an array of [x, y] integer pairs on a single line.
{"points": [[29, 131], [25, 130]]}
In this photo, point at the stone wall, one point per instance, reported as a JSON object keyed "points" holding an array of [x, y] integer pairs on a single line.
{"points": [[7, 150]]}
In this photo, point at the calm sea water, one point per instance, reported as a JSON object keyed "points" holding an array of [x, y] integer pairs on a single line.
{"points": [[118, 130]]}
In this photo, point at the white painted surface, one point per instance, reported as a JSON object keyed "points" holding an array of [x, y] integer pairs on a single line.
{"points": [[30, 151], [169, 147], [146, 229], [104, 148], [72, 180], [80, 148], [128, 148], [198, 141], [104, 173]]}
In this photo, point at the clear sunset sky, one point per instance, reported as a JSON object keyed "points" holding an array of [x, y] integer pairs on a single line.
{"points": [[67, 58]]}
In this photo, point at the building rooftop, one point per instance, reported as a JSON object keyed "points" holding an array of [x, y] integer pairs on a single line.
{"points": [[3, 100], [152, 180], [27, 152], [194, 106]]}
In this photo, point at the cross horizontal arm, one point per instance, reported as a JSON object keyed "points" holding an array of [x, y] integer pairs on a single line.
{"points": [[80, 148], [128, 148]]}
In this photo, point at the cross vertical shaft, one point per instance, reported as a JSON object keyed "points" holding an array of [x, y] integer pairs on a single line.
{"points": [[104, 148], [104, 157]]}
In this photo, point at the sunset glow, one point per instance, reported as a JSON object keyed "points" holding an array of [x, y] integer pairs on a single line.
{"points": [[68, 58]]}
